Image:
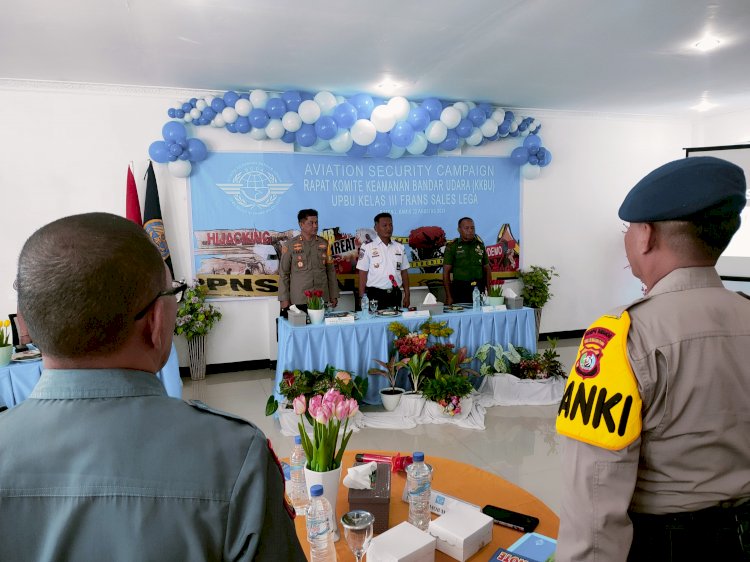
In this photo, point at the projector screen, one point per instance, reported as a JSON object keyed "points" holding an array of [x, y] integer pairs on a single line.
{"points": [[735, 261]]}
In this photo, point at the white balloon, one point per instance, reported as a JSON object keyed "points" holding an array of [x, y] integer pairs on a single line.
{"points": [[342, 142], [498, 115], [525, 132], [530, 172], [471, 105], [400, 107], [396, 151], [229, 114], [258, 98], [188, 118], [258, 134], [451, 117], [309, 111], [326, 101], [418, 145], [218, 121], [291, 121], [321, 145], [209, 100], [489, 127], [340, 99], [436, 132], [243, 107], [363, 132], [195, 113], [513, 127], [200, 105], [180, 168], [475, 137], [383, 119], [274, 129], [462, 107]]}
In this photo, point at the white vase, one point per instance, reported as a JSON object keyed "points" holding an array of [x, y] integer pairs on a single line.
{"points": [[316, 316], [412, 404], [495, 301], [391, 400], [330, 482], [6, 353], [197, 351]]}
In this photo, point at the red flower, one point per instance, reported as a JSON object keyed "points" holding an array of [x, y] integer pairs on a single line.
{"points": [[308, 294], [393, 281], [317, 293]]}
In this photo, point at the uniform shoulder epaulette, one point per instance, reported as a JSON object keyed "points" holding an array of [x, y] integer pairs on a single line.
{"points": [[451, 242], [198, 405]]}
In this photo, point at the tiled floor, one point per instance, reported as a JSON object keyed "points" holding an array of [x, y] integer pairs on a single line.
{"points": [[519, 442]]}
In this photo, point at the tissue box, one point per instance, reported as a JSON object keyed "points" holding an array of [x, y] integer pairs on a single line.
{"points": [[403, 543], [297, 318], [436, 308], [377, 499], [513, 303], [461, 532]]}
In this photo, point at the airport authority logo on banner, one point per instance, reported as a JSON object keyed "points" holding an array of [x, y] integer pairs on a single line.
{"points": [[254, 187]]}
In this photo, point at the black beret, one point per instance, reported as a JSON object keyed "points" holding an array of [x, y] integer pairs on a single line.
{"points": [[684, 188]]}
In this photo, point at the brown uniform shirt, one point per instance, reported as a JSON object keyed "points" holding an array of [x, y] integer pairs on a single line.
{"points": [[306, 265], [689, 346]]}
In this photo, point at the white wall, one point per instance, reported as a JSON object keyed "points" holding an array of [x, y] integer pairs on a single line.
{"points": [[65, 149]]}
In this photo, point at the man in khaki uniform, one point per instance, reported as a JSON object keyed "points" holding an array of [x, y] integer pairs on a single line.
{"points": [[655, 414], [306, 264]]}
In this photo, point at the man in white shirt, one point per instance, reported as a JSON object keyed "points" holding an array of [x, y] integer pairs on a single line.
{"points": [[383, 267]]}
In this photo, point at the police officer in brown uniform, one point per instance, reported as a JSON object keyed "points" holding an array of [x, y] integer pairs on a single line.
{"points": [[656, 412], [306, 264]]}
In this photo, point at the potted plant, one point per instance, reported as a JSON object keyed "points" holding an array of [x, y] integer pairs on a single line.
{"points": [[195, 318], [6, 344], [315, 309], [390, 396], [495, 292], [536, 282], [449, 392]]}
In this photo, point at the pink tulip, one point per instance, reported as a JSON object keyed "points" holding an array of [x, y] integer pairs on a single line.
{"points": [[342, 410], [353, 407], [314, 405], [299, 404], [324, 414]]}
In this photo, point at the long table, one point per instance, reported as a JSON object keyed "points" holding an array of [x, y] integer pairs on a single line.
{"points": [[18, 379], [353, 347], [456, 479]]}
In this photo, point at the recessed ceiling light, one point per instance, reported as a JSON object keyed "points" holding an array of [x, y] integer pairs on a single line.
{"points": [[708, 43], [704, 105]]}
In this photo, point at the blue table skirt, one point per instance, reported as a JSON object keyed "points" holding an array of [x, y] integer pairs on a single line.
{"points": [[354, 346], [17, 380]]}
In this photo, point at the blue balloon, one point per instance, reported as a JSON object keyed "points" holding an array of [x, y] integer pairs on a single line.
{"points": [[306, 96], [380, 147], [276, 108], [434, 107], [183, 143], [171, 112], [258, 118], [245, 96], [230, 98], [487, 108], [306, 135], [477, 116], [288, 137], [173, 131], [508, 116], [532, 142], [197, 150], [175, 149], [493, 137], [514, 133], [378, 101], [183, 156], [519, 156], [186, 107], [357, 150], [202, 121], [541, 153], [533, 160], [538, 128], [292, 98], [402, 133], [451, 141], [218, 105], [546, 160], [209, 113], [503, 128], [159, 152], [231, 128], [179, 113], [364, 105], [172, 157], [464, 127], [418, 118], [523, 126], [326, 127], [431, 149], [345, 115], [193, 101], [242, 124]]}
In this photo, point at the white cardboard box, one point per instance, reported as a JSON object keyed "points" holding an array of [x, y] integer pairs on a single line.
{"points": [[461, 532], [402, 543]]}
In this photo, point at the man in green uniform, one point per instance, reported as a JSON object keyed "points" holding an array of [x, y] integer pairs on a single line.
{"points": [[467, 259], [306, 264]]}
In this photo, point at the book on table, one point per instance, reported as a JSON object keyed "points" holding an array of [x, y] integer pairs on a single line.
{"points": [[532, 547]]}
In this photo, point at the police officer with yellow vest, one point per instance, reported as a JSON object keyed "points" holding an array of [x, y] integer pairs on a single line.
{"points": [[465, 258], [656, 412]]}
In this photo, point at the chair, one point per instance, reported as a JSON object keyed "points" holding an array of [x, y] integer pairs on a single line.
{"points": [[18, 329]]}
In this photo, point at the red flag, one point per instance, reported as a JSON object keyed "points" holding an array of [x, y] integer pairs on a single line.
{"points": [[132, 206]]}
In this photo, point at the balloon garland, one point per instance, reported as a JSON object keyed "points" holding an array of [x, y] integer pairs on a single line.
{"points": [[359, 126]]}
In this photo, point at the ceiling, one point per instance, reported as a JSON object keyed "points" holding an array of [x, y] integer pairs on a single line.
{"points": [[626, 56]]}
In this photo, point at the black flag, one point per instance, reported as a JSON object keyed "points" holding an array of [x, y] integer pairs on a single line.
{"points": [[152, 222]]}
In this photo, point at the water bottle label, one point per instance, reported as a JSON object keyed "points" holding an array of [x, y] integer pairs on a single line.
{"points": [[420, 489], [317, 527]]}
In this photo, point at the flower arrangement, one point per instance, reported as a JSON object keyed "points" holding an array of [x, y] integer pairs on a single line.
{"points": [[413, 343], [5, 339], [313, 383], [314, 299], [495, 288], [195, 317], [447, 390], [327, 411], [538, 366]]}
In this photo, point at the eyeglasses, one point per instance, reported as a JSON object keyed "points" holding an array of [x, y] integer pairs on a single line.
{"points": [[177, 291]]}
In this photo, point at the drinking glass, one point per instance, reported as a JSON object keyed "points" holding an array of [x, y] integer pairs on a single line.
{"points": [[358, 525], [373, 306]]}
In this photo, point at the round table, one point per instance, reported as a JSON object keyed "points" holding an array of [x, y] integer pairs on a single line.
{"points": [[456, 479]]}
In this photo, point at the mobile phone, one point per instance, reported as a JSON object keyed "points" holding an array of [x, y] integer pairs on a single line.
{"points": [[512, 519]]}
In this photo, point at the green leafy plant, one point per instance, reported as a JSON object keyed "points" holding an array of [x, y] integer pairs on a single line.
{"points": [[195, 317], [538, 365], [495, 290], [494, 359], [417, 365], [536, 282], [390, 369], [447, 390]]}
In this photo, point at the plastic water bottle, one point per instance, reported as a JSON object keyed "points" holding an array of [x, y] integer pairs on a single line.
{"points": [[476, 299], [297, 463], [419, 484], [319, 533], [365, 306]]}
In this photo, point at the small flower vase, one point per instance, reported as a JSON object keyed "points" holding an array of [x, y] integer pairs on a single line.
{"points": [[197, 351], [6, 353], [330, 482], [316, 316]]}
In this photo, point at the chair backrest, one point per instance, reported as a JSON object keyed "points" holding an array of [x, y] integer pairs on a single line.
{"points": [[18, 330]]}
